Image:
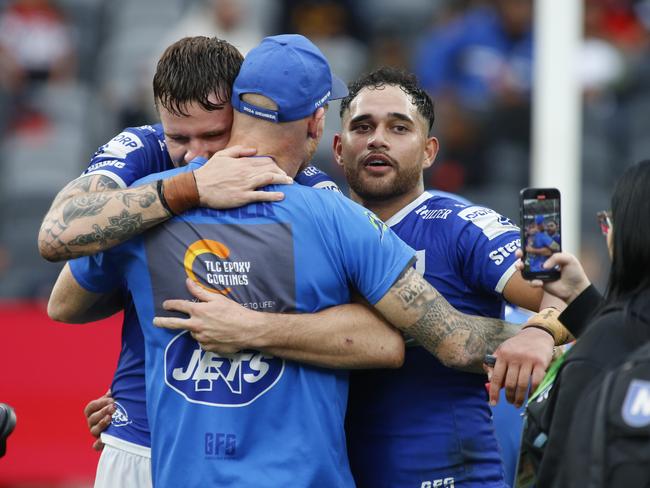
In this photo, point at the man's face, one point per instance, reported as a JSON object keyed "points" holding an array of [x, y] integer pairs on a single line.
{"points": [[201, 133], [384, 146], [551, 228]]}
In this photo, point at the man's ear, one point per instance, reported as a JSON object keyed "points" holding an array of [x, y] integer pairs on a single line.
{"points": [[431, 151], [316, 124], [336, 149]]}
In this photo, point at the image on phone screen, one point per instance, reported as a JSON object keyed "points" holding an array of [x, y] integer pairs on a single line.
{"points": [[541, 230]]}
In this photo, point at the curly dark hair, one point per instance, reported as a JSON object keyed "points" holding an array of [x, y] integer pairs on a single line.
{"points": [[383, 76], [194, 68]]}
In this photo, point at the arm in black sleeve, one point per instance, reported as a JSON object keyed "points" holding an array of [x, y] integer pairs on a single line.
{"points": [[577, 314]]}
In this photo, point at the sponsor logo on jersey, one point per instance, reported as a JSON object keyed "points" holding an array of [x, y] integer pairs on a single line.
{"points": [[500, 254], [120, 417], [377, 223], [252, 264], [147, 128], [636, 407], [438, 213], [103, 164], [311, 171], [219, 445], [218, 270], [491, 223], [327, 185], [439, 483], [121, 145], [208, 378]]}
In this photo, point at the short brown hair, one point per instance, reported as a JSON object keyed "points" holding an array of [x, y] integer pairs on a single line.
{"points": [[193, 69]]}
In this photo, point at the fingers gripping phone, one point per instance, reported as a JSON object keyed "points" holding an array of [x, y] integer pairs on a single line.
{"points": [[541, 231]]}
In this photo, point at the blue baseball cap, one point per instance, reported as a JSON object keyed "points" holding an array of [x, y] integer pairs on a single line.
{"points": [[290, 70], [539, 219]]}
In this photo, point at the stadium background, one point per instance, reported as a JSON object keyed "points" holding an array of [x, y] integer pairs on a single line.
{"points": [[74, 72]]}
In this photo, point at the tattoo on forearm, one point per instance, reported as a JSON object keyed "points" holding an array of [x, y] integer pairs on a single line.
{"points": [[86, 198], [121, 226], [411, 293], [456, 338], [144, 199], [86, 205], [104, 183], [81, 185]]}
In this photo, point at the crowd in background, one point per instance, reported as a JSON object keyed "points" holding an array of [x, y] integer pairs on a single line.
{"points": [[74, 72]]}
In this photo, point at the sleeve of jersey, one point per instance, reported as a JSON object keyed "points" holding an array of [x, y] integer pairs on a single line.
{"points": [[124, 159], [373, 257], [314, 177], [96, 274], [486, 250]]}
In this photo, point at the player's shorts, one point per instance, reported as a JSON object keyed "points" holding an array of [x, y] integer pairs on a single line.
{"points": [[121, 468]]}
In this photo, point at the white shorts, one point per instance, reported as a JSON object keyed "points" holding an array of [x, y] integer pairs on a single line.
{"points": [[119, 468]]}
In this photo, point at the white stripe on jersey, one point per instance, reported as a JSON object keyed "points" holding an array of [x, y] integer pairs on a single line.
{"points": [[110, 174], [399, 216]]}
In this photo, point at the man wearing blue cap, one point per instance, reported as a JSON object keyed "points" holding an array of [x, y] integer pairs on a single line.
{"points": [[540, 245], [247, 418]]}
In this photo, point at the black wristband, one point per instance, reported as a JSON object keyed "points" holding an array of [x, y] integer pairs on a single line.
{"points": [[161, 195]]}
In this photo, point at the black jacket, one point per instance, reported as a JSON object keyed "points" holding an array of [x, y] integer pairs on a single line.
{"points": [[605, 341]]}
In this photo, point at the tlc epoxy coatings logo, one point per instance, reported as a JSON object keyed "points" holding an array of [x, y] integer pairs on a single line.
{"points": [[219, 272], [251, 264]]}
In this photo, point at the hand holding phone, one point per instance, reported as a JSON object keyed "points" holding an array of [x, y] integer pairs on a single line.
{"points": [[540, 231]]}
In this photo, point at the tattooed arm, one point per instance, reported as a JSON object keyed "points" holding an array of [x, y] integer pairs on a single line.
{"points": [[458, 340], [92, 214]]}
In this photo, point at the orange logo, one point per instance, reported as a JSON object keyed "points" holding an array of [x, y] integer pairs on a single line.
{"points": [[201, 247]]}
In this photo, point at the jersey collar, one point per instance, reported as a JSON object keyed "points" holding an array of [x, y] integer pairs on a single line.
{"points": [[399, 216]]}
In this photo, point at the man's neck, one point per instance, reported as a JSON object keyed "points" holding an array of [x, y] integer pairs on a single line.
{"points": [[284, 156], [387, 207]]}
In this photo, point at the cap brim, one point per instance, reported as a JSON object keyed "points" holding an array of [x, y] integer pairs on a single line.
{"points": [[339, 88]]}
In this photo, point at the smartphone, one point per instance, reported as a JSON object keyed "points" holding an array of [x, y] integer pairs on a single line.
{"points": [[541, 231]]}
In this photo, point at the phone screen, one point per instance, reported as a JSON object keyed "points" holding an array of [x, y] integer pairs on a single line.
{"points": [[541, 231]]}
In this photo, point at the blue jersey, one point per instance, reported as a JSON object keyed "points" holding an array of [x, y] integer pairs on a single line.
{"points": [[540, 241], [427, 425], [249, 419], [133, 154]]}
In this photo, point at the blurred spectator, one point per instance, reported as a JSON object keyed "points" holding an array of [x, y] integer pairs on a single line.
{"points": [[482, 57], [232, 20], [36, 48], [601, 62], [478, 66], [243, 23], [337, 28]]}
